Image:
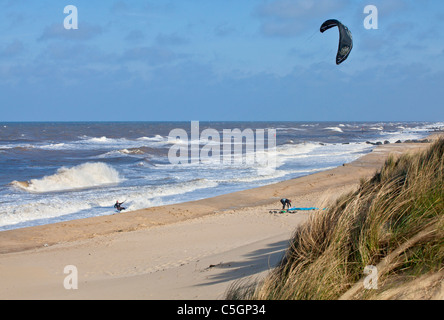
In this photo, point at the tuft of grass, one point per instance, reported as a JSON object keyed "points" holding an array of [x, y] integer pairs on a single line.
{"points": [[394, 221]]}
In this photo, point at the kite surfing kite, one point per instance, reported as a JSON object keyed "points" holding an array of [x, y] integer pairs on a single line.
{"points": [[345, 39]]}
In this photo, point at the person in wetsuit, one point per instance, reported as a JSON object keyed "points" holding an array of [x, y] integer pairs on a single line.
{"points": [[285, 202], [118, 206]]}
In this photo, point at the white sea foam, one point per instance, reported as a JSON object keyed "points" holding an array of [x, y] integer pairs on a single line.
{"points": [[93, 143], [88, 203], [404, 134], [146, 197], [296, 149], [157, 137], [101, 140], [83, 176], [124, 152], [337, 129], [54, 146], [265, 176], [428, 127]]}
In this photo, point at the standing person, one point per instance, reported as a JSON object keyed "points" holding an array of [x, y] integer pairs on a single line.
{"points": [[285, 202]]}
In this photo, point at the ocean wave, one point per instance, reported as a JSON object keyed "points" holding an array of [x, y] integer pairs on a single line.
{"points": [[310, 125], [336, 129], [248, 159], [54, 146], [104, 140], [262, 175], [290, 129], [296, 149], [265, 176], [137, 152], [18, 148], [428, 127], [157, 137], [404, 134], [87, 175], [63, 207], [173, 141], [145, 197], [45, 211]]}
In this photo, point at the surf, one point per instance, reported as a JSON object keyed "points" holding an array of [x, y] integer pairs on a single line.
{"points": [[83, 176]]}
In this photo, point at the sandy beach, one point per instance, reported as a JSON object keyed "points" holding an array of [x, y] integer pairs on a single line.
{"points": [[192, 250]]}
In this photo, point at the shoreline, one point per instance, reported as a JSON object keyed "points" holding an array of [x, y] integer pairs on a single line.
{"points": [[33, 237], [191, 251]]}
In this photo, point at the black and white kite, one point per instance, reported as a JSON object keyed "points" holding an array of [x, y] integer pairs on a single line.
{"points": [[345, 39]]}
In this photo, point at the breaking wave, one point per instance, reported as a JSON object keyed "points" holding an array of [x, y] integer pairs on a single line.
{"points": [[336, 129], [86, 175]]}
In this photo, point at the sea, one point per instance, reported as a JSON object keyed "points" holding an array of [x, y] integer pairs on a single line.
{"points": [[58, 171]]}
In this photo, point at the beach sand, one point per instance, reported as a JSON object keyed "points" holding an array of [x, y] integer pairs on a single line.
{"points": [[193, 250]]}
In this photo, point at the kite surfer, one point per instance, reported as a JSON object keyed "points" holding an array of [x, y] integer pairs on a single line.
{"points": [[118, 205]]}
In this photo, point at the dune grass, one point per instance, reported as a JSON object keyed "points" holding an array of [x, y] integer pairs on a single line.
{"points": [[394, 221]]}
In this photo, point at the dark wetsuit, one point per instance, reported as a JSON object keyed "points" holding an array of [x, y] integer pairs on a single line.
{"points": [[285, 202], [118, 206]]}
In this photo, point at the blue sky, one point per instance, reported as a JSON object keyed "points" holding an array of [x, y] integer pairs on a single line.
{"points": [[220, 60]]}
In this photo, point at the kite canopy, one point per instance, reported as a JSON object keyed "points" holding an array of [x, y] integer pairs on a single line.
{"points": [[345, 39]]}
